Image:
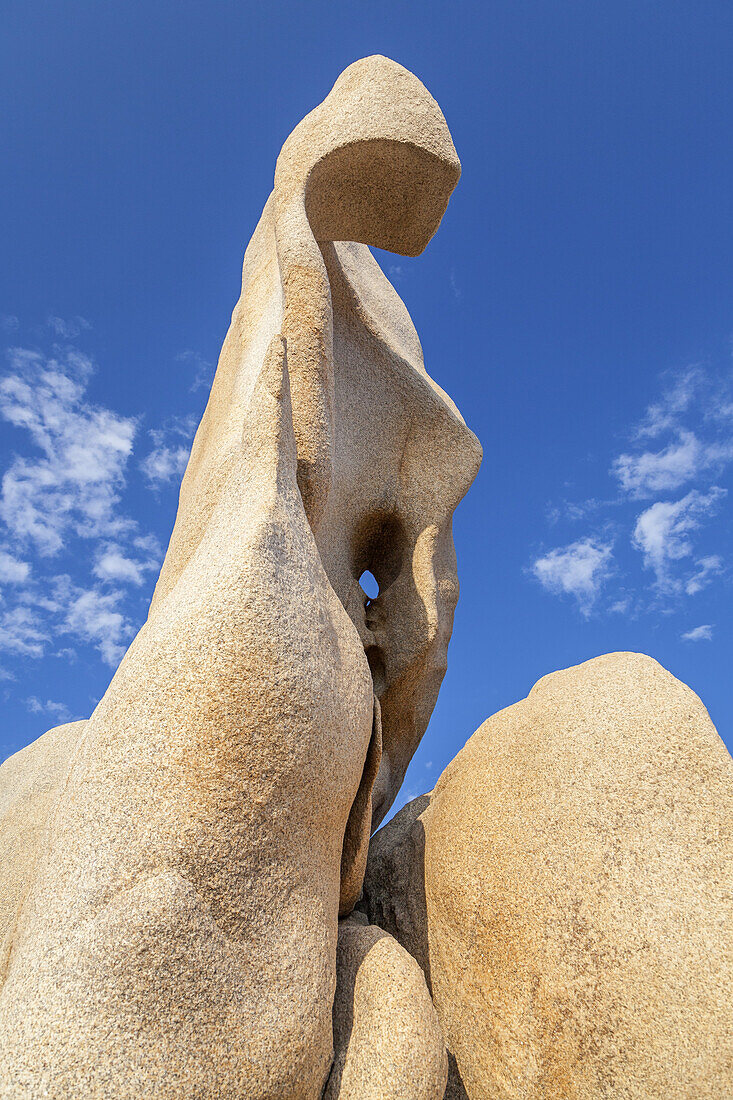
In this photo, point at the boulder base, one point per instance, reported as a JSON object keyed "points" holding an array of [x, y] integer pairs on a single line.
{"points": [[566, 889], [388, 1042]]}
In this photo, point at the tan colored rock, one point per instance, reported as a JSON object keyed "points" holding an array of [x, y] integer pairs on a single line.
{"points": [[30, 782], [567, 888], [388, 1041], [179, 929], [384, 457]]}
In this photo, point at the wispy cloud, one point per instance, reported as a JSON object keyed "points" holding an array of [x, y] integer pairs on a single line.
{"points": [[13, 571], [691, 428], [22, 633], [95, 617], [698, 634], [164, 464], [679, 393], [65, 483], [578, 570], [66, 653], [69, 328], [115, 564], [707, 569], [662, 534], [58, 711], [171, 448], [203, 369], [683, 460], [73, 482]]}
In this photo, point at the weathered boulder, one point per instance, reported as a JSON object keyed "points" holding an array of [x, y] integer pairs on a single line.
{"points": [[177, 935], [567, 890], [388, 1041], [179, 931], [383, 455], [30, 782]]}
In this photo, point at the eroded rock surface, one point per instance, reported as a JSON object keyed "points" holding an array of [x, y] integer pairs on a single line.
{"points": [[174, 869], [387, 1037], [173, 925], [30, 783], [567, 890]]}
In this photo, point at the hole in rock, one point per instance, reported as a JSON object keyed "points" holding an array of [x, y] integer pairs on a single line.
{"points": [[369, 586]]}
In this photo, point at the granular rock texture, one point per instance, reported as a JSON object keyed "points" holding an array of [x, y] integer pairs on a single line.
{"points": [[172, 930], [179, 871], [387, 1037], [180, 931], [384, 457], [567, 890], [30, 782]]}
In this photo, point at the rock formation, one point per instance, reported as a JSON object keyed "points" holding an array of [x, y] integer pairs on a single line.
{"points": [[180, 871], [177, 932], [567, 890], [387, 1037], [30, 783]]}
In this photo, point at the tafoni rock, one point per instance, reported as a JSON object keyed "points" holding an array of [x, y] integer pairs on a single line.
{"points": [[177, 933], [180, 872], [567, 888]]}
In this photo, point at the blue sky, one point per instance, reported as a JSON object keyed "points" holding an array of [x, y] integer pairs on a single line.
{"points": [[576, 303]]}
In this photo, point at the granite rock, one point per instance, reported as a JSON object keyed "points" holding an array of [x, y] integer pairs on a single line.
{"points": [[388, 1041], [567, 890], [30, 783], [175, 933]]}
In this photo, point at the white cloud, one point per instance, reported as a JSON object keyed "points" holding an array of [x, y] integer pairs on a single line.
{"points": [[149, 545], [74, 485], [13, 571], [164, 464], [203, 369], [66, 485], [94, 617], [22, 632], [708, 568], [59, 711], [183, 427], [662, 471], [699, 634], [113, 564], [577, 570], [662, 532], [664, 414], [63, 607], [168, 459], [691, 422], [68, 329]]}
